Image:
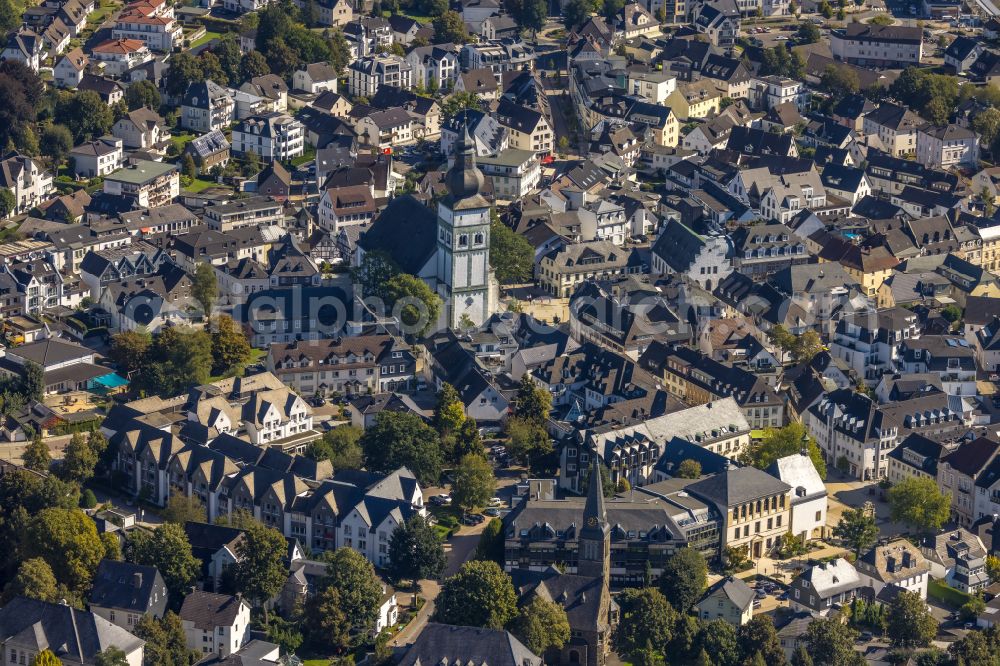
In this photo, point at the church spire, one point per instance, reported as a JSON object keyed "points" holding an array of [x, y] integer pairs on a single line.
{"points": [[594, 549], [594, 514], [464, 180]]}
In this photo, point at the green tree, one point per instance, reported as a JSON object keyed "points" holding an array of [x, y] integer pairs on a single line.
{"points": [[718, 638], [7, 202], [179, 358], [759, 637], [858, 530], [340, 51], [142, 94], [413, 302], [67, 539], [111, 656], [684, 577], [260, 571], [79, 461], [541, 625], [166, 643], [526, 439], [112, 546], [576, 13], [35, 580], [33, 382], [972, 608], [611, 10], [457, 102], [780, 442], [533, 15], [325, 623], [467, 440], [340, 446], [689, 469], [449, 27], [205, 287], [908, 622], [188, 167], [826, 10], [184, 70], [181, 509], [481, 594], [449, 414], [533, 403], [801, 657], [45, 658], [374, 273], [167, 548], [231, 350], [808, 33], [474, 482], [511, 255], [85, 114], [36, 455], [977, 648], [919, 503], [645, 617], [932, 95], [56, 142], [353, 576], [415, 551], [402, 440], [831, 643], [491, 542], [254, 64], [986, 124], [129, 349], [993, 568]]}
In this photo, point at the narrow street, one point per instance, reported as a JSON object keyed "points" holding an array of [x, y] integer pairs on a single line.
{"points": [[459, 550]]}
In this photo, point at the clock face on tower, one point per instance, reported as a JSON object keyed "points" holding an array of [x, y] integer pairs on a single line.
{"points": [[592, 521]]}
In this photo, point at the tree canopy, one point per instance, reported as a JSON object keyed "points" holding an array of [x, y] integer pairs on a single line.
{"points": [[415, 551], [785, 441], [858, 529], [541, 625], [260, 570], [684, 577], [919, 502], [167, 548], [481, 594], [474, 482], [401, 439], [67, 540], [359, 589]]}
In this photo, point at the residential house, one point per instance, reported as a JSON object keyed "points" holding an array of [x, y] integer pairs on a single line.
{"points": [[367, 74], [824, 587], [141, 129], [896, 128], [207, 106], [947, 146], [27, 181], [959, 557], [434, 66], [272, 137], [317, 77], [528, 129], [563, 269], [148, 184], [706, 259], [123, 593], [897, 563], [24, 46], [74, 636], [729, 599], [215, 624], [877, 46], [808, 496], [852, 433], [69, 69], [117, 56], [958, 476], [209, 151], [97, 158]]}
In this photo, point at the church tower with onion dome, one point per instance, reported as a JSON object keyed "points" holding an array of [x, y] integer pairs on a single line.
{"points": [[463, 249]]}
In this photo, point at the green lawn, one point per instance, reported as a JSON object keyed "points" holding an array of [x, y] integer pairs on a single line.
{"points": [[940, 590], [199, 184], [180, 140], [207, 37], [316, 662]]}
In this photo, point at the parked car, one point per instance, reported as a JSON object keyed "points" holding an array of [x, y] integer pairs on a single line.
{"points": [[492, 512], [496, 501], [473, 518], [441, 500]]}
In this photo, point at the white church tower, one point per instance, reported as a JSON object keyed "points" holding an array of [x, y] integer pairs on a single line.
{"points": [[463, 255]]}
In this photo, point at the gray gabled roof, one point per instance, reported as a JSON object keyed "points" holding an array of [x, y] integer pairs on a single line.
{"points": [[443, 643], [738, 486]]}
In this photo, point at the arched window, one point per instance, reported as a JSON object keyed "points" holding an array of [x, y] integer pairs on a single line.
{"points": [[478, 239], [463, 240]]}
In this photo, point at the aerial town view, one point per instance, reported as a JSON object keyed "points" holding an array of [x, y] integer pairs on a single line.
{"points": [[499, 332]]}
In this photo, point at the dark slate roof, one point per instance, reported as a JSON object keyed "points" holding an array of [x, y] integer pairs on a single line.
{"points": [[72, 634], [930, 451], [735, 589], [678, 450], [406, 230], [738, 486], [971, 457], [129, 586], [444, 643], [678, 245], [208, 610]]}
